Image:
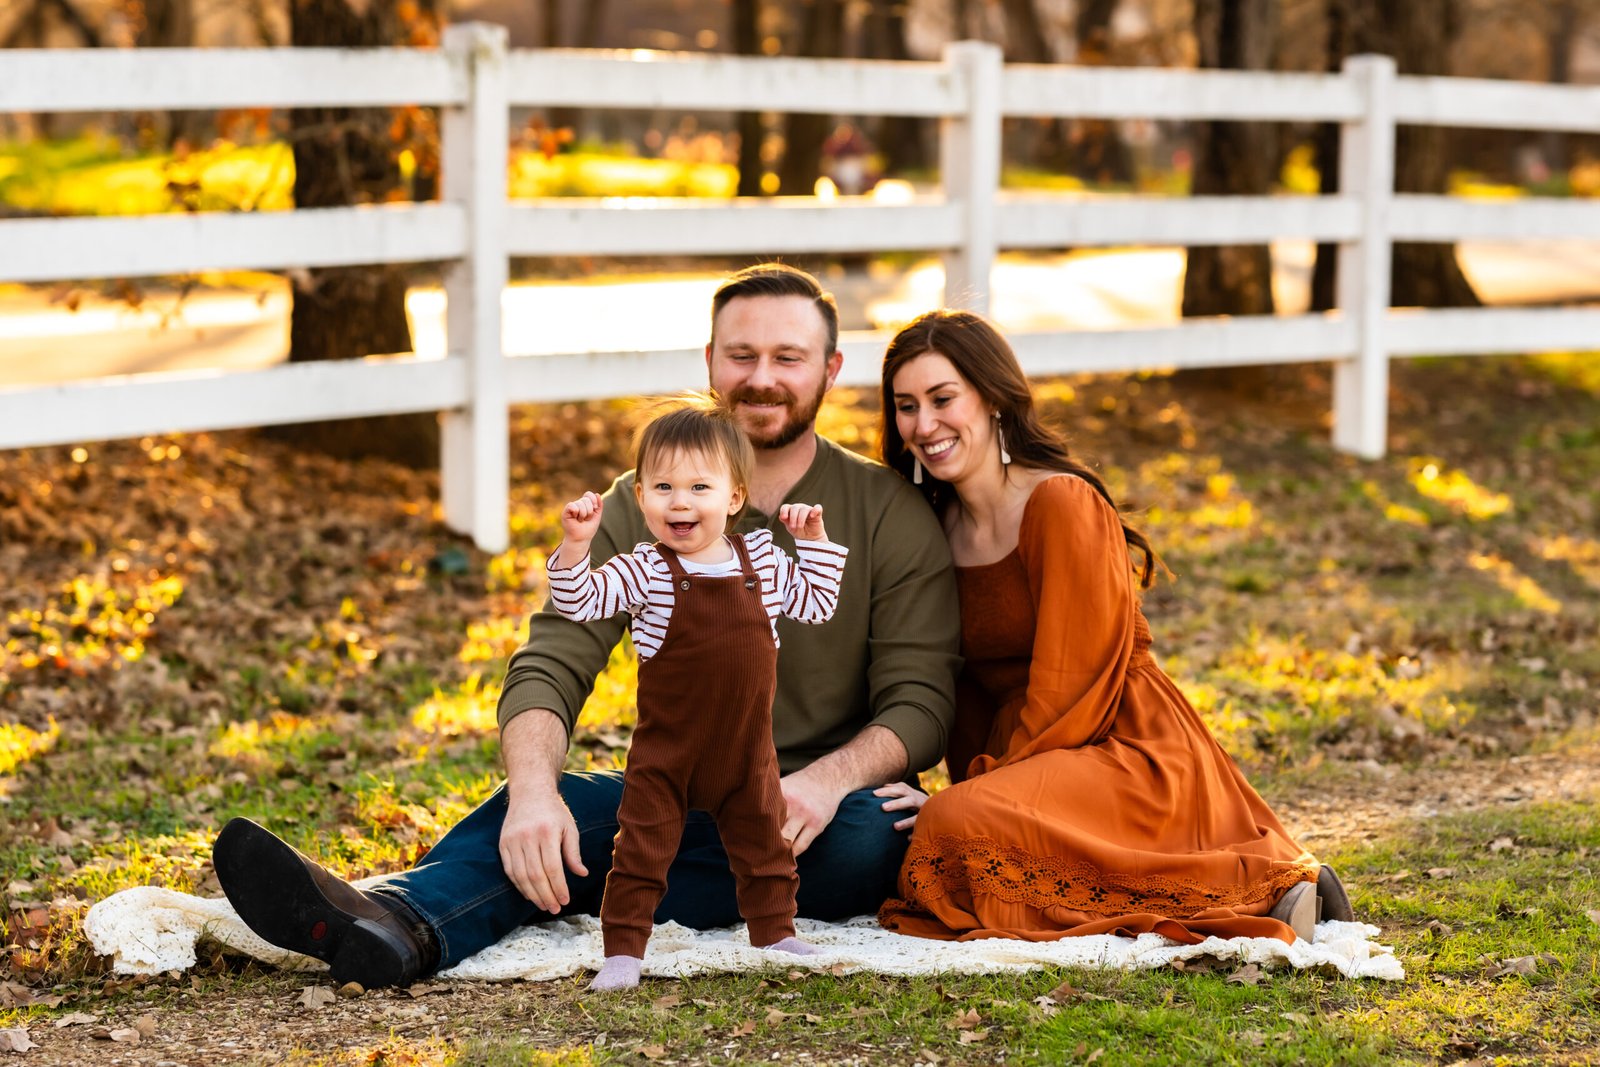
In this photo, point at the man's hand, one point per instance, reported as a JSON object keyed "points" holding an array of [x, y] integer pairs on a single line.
{"points": [[537, 836], [804, 521], [813, 800]]}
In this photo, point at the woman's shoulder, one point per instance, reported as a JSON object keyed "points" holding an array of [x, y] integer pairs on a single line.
{"points": [[1060, 497]]}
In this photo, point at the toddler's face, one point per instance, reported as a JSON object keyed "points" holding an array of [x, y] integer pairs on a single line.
{"points": [[687, 498]]}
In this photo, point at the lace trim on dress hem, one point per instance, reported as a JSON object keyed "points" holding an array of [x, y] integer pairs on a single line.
{"points": [[949, 864]]}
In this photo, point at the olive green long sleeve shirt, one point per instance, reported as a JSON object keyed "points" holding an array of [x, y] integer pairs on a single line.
{"points": [[888, 657]]}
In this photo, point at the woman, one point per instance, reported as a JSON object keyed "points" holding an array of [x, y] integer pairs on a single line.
{"points": [[1089, 796]]}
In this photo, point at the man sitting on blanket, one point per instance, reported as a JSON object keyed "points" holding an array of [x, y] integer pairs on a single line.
{"points": [[862, 704]]}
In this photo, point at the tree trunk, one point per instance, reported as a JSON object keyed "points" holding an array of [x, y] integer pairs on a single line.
{"points": [[1559, 42], [903, 139], [1232, 158], [1102, 155], [345, 156], [1418, 34], [745, 16], [170, 24], [804, 134], [1325, 150]]}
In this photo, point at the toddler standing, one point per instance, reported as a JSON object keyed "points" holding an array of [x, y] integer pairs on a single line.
{"points": [[705, 607]]}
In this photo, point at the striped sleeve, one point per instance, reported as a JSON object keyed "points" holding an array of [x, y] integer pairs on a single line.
{"points": [[584, 595], [811, 590]]}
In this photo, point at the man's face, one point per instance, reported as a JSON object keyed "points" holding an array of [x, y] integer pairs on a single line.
{"points": [[767, 361]]}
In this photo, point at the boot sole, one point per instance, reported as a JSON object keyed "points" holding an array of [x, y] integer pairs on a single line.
{"points": [[1297, 908], [1333, 900], [275, 896]]}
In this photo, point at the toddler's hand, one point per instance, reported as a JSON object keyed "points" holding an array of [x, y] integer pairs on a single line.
{"points": [[804, 521], [580, 519]]}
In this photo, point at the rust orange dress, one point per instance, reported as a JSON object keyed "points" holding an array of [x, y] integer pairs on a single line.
{"points": [[1089, 796]]}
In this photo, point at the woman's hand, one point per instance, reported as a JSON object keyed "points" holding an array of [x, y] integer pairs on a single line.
{"points": [[902, 798]]}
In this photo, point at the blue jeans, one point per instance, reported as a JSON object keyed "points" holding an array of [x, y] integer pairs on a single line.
{"points": [[462, 891]]}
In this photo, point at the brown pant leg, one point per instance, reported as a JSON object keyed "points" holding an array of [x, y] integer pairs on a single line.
{"points": [[650, 827], [750, 820]]}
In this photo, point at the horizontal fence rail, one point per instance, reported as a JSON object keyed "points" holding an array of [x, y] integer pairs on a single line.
{"points": [[474, 229], [177, 79], [47, 249], [664, 81]]}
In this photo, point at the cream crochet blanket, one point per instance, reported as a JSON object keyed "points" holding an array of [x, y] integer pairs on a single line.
{"points": [[147, 930]]}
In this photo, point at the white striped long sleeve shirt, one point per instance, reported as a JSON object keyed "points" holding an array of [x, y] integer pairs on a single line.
{"points": [[640, 583]]}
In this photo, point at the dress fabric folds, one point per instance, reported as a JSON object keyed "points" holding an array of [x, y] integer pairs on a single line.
{"points": [[1089, 796]]}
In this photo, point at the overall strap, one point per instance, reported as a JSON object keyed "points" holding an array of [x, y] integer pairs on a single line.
{"points": [[751, 578], [671, 558]]}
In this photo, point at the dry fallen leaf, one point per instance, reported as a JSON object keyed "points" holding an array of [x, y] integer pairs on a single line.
{"points": [[145, 1025], [1254, 1038], [1594, 915], [1065, 993], [1249, 974], [15, 1039], [1500, 844], [315, 996], [1397, 876], [776, 1016], [77, 1018], [1299, 1018], [744, 1029], [969, 1037], [652, 1052], [126, 1034], [966, 1020], [1096, 1054], [421, 990], [1514, 965], [671, 1000], [1441, 872], [1435, 928]]}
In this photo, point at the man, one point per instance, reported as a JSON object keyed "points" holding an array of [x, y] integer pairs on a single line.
{"points": [[863, 701]]}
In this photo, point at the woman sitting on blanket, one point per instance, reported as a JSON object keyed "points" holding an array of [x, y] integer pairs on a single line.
{"points": [[1089, 796]]}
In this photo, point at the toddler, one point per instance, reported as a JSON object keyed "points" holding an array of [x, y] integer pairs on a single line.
{"points": [[705, 608]]}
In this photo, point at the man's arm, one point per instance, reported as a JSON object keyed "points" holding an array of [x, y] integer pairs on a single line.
{"points": [[813, 793], [914, 637], [538, 833]]}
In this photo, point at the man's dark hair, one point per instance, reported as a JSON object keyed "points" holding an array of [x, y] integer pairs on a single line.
{"points": [[779, 279]]}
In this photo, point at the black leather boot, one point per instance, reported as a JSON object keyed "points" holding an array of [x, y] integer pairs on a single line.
{"points": [[292, 902]]}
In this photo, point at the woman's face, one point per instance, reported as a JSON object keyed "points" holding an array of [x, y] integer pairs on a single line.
{"points": [[943, 419]]}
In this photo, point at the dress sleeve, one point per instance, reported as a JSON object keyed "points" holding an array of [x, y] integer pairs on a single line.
{"points": [[1081, 582]]}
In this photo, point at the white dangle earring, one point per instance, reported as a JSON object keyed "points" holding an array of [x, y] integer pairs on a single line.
{"points": [[1000, 432], [916, 471]]}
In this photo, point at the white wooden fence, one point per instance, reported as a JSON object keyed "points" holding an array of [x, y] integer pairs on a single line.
{"points": [[475, 227]]}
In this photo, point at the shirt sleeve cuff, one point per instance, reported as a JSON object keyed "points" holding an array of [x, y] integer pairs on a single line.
{"points": [[534, 693], [917, 731]]}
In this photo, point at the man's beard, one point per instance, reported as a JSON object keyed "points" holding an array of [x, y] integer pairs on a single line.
{"points": [[801, 417]]}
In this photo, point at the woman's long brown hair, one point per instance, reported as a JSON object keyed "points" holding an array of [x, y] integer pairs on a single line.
{"points": [[982, 356]]}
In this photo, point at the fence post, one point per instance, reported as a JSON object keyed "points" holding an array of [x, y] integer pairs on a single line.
{"points": [[969, 169], [475, 446], [1366, 171]]}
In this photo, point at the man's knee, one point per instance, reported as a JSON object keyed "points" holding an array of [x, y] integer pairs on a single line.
{"points": [[854, 865]]}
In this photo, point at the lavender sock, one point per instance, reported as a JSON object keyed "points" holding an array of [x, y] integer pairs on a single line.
{"points": [[794, 945], [618, 972]]}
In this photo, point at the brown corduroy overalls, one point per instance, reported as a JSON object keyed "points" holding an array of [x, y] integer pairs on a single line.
{"points": [[704, 740]]}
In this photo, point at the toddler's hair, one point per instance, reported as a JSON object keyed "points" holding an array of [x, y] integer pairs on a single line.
{"points": [[695, 422]]}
